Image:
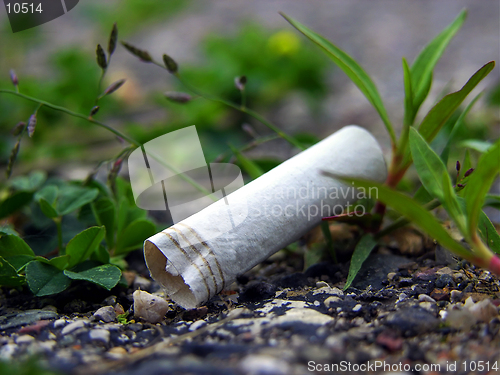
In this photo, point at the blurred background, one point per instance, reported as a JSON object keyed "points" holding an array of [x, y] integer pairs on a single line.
{"points": [[290, 81]]}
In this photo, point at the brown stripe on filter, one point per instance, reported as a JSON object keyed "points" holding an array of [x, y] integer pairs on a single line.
{"points": [[187, 256], [199, 253], [219, 268]]}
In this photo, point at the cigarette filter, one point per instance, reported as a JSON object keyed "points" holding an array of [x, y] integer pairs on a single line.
{"points": [[204, 253]]}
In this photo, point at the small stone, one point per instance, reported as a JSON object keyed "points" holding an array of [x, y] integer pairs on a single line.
{"points": [[440, 294], [331, 301], [357, 307], [322, 284], [455, 296], [444, 280], [60, 323], [391, 276], [100, 335], [107, 314], [116, 352], [197, 325], [261, 364], [445, 271], [8, 351], [484, 310], [142, 283], [148, 307], [317, 303], [73, 326], [425, 298], [390, 341], [24, 339], [412, 321]]}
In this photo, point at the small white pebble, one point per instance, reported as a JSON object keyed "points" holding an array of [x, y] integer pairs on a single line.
{"points": [[357, 307], [391, 276], [59, 323], [456, 296], [425, 298], [197, 325], [24, 339], [99, 335], [73, 326], [322, 284], [317, 303]]}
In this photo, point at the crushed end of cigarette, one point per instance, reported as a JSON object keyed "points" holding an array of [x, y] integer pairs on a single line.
{"points": [[168, 277]]}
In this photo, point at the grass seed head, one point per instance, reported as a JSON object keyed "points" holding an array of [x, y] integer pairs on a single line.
{"points": [[178, 97], [18, 128], [12, 158], [32, 125], [112, 39], [13, 78], [143, 55], [101, 57], [170, 64]]}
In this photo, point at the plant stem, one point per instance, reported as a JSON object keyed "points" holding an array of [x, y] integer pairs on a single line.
{"points": [[240, 108], [58, 221], [74, 114]]}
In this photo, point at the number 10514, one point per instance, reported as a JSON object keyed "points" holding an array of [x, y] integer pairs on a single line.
{"points": [[23, 8]]}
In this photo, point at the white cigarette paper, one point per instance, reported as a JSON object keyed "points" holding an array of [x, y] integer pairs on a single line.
{"points": [[201, 255]]}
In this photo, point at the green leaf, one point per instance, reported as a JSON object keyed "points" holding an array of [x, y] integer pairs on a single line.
{"points": [[29, 183], [134, 236], [19, 261], [84, 244], [10, 245], [9, 275], [363, 249], [350, 67], [492, 201], [14, 202], [72, 198], [49, 193], [253, 170], [456, 127], [47, 209], [106, 275], [409, 116], [475, 144], [438, 115], [451, 205], [105, 213], [45, 279], [128, 213], [60, 262], [414, 212], [101, 255], [479, 184], [488, 233], [429, 166], [423, 66], [46, 197]]}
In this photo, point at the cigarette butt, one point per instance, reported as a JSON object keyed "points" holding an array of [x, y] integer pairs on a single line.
{"points": [[201, 255]]}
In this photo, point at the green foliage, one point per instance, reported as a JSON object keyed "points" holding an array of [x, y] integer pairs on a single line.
{"points": [[437, 188], [363, 249], [117, 226], [353, 70]]}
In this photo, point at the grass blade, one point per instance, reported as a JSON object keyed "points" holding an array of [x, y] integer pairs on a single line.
{"points": [[429, 166], [409, 110], [458, 124], [249, 166], [423, 66], [488, 233], [452, 206], [438, 115], [361, 252], [350, 67], [414, 212], [479, 184]]}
